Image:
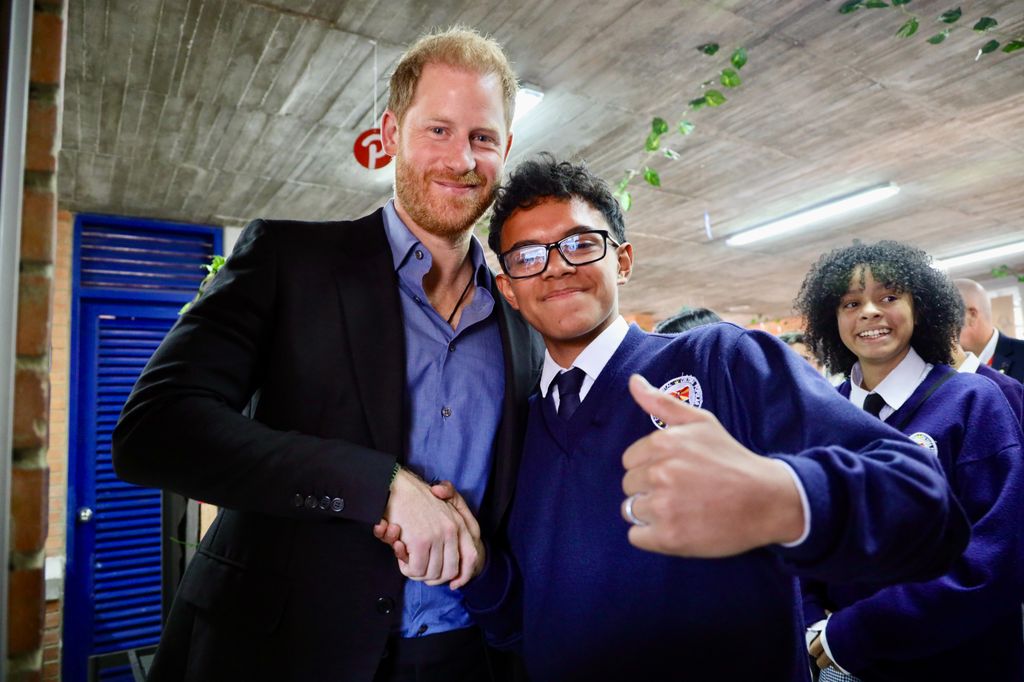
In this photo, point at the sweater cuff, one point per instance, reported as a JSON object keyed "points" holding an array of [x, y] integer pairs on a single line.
{"points": [[828, 650], [488, 590], [805, 505]]}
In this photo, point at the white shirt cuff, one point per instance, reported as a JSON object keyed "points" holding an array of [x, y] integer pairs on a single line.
{"points": [[828, 651], [803, 503], [813, 631]]}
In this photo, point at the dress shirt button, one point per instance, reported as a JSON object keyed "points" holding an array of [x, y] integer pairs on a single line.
{"points": [[385, 605], [451, 347], [298, 500], [311, 502], [337, 504], [418, 299], [325, 502], [419, 254], [421, 629], [446, 412]]}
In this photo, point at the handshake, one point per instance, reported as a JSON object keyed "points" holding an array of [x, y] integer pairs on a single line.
{"points": [[433, 533]]}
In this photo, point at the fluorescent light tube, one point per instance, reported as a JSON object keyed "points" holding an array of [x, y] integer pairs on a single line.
{"points": [[526, 99], [804, 217], [1004, 251]]}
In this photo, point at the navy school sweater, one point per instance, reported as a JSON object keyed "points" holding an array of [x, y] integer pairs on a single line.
{"points": [[965, 625], [1012, 389], [579, 602]]}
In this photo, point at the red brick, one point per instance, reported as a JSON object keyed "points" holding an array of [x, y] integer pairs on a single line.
{"points": [[47, 48], [38, 225], [35, 295], [31, 408], [53, 614], [27, 676], [25, 611], [42, 136], [51, 637], [29, 509]]}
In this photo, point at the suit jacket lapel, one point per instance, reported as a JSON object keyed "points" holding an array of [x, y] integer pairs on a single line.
{"points": [[372, 311], [523, 355]]}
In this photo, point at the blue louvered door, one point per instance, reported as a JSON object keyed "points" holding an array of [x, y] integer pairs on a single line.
{"points": [[130, 280]]}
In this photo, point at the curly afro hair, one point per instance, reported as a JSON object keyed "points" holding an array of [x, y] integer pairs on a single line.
{"points": [[938, 308], [542, 178]]}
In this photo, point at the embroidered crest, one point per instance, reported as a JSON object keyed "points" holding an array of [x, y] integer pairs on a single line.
{"points": [[925, 441], [685, 388]]}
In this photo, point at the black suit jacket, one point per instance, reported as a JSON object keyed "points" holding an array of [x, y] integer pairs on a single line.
{"points": [[290, 583], [1009, 357]]}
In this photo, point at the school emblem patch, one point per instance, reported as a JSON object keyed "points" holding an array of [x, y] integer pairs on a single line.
{"points": [[685, 388], [925, 441]]}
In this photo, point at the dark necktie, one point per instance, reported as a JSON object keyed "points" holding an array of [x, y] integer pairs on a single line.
{"points": [[569, 384], [873, 404]]}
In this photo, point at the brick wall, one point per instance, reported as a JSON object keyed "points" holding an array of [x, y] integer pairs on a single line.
{"points": [[30, 473]]}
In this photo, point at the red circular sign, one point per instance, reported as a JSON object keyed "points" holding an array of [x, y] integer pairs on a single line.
{"points": [[369, 150]]}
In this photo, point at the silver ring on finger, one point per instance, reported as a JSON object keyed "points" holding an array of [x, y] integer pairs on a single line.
{"points": [[629, 510]]}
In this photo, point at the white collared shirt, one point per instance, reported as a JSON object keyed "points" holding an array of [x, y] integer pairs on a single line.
{"points": [[970, 364], [896, 388], [592, 360], [985, 356]]}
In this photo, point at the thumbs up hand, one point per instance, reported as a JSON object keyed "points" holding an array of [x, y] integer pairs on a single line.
{"points": [[695, 491]]}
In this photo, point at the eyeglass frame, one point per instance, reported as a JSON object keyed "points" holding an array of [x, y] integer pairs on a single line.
{"points": [[555, 245]]}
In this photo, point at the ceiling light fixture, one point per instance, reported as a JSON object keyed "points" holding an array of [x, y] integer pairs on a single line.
{"points": [[804, 217], [528, 97], [1004, 251]]}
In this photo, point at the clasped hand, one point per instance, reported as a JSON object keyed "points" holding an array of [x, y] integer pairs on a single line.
{"points": [[433, 533]]}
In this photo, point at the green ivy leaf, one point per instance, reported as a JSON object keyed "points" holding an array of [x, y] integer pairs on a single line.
{"points": [[698, 103], [908, 29], [659, 126], [875, 4], [897, 3], [730, 78], [624, 199], [671, 154], [985, 24], [950, 16], [739, 57], [1001, 271], [1013, 46], [939, 37], [850, 6], [708, 48], [653, 142], [685, 127], [623, 183], [652, 177], [714, 98], [990, 46]]}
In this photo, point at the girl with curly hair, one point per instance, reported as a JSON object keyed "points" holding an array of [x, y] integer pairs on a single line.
{"points": [[884, 317]]}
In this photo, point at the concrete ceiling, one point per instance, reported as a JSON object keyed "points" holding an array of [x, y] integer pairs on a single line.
{"points": [[220, 111]]}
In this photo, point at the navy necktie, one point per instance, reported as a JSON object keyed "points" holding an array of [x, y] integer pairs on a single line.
{"points": [[569, 384], [873, 404]]}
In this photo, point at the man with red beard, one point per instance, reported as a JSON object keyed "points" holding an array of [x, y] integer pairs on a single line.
{"points": [[382, 358]]}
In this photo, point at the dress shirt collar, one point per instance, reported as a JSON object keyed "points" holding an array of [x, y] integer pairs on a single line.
{"points": [[990, 348], [970, 364], [592, 360], [895, 388], [404, 244]]}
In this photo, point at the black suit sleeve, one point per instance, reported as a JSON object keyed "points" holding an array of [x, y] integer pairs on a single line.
{"points": [[182, 427]]}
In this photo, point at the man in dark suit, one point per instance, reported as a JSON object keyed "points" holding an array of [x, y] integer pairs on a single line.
{"points": [[979, 336], [383, 358]]}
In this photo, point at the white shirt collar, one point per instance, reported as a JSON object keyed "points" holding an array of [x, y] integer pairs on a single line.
{"points": [[990, 348], [896, 387], [592, 360], [970, 364]]}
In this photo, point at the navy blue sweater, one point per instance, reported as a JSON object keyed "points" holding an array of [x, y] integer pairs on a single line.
{"points": [[580, 602], [965, 625]]}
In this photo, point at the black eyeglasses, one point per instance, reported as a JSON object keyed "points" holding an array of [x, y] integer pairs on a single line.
{"points": [[579, 248]]}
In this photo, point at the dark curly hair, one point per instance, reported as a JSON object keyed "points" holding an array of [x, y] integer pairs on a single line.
{"points": [[938, 308], [542, 178], [685, 320]]}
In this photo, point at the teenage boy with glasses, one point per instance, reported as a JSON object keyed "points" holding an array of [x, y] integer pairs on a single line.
{"points": [[564, 586]]}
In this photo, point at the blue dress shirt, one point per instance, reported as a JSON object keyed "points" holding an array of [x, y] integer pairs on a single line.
{"points": [[455, 382]]}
